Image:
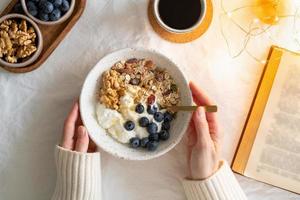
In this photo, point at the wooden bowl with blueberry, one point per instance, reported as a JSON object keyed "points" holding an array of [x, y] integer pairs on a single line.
{"points": [[48, 12], [54, 18]]}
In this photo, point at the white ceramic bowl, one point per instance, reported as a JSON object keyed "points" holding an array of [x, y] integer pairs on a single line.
{"points": [[88, 101], [39, 46], [61, 20]]}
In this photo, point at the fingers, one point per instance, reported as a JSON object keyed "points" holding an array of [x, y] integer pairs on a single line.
{"points": [[202, 99], [69, 128], [201, 127], [82, 143], [191, 134], [199, 96]]}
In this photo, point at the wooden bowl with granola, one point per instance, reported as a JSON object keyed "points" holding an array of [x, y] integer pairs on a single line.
{"points": [[125, 104], [21, 41]]}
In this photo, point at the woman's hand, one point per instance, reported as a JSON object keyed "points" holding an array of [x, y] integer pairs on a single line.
{"points": [[204, 139], [75, 136]]}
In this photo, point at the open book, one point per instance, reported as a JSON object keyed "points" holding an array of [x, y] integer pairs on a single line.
{"points": [[269, 149]]}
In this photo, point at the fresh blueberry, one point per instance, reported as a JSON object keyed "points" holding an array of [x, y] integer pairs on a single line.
{"points": [[164, 135], [35, 1], [144, 121], [139, 108], [43, 16], [46, 6], [152, 128], [55, 15], [134, 142], [152, 145], [56, 3], [144, 142], [168, 117], [65, 6], [154, 137], [159, 117], [129, 125], [18, 8], [166, 126], [32, 8], [151, 109]]}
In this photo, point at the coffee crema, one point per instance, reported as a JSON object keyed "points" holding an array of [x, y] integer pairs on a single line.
{"points": [[179, 14]]}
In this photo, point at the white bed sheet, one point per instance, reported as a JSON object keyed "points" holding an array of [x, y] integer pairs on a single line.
{"points": [[33, 106]]}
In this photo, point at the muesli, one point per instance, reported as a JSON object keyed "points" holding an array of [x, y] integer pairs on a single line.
{"points": [[134, 103]]}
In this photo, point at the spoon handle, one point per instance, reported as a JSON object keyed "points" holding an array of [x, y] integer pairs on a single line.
{"points": [[212, 108]]}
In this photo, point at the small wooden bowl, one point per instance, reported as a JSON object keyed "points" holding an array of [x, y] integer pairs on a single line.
{"points": [[52, 35], [39, 46], [49, 23]]}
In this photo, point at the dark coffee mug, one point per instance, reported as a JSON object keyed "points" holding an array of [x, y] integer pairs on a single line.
{"points": [[193, 24]]}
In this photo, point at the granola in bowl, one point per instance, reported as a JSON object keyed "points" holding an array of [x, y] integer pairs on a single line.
{"points": [[134, 103]]}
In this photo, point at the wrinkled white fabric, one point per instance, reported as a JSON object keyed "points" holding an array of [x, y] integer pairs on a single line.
{"points": [[33, 105]]}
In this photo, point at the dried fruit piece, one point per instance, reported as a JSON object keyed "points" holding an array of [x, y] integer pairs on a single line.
{"points": [[149, 64], [151, 99], [131, 61]]}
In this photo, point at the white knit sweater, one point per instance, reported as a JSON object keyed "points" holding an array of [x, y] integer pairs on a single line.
{"points": [[79, 178]]}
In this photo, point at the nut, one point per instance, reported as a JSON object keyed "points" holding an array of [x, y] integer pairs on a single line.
{"points": [[17, 41], [150, 84]]}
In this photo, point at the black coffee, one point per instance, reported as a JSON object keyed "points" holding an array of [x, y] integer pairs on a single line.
{"points": [[179, 14]]}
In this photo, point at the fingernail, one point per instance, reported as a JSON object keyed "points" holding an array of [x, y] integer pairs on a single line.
{"points": [[201, 112], [81, 131]]}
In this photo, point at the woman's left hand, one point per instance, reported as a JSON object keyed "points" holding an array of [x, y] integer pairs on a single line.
{"points": [[75, 136]]}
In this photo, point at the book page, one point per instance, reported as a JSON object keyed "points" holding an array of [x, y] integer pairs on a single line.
{"points": [[275, 155]]}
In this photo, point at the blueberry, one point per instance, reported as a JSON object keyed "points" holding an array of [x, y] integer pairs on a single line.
{"points": [[164, 135], [56, 3], [139, 108], [129, 125], [166, 126], [18, 8], [144, 121], [151, 109], [158, 116], [152, 128], [134, 142], [31, 4], [43, 16], [154, 137], [152, 145], [168, 117], [55, 15], [46, 6], [32, 8], [144, 142], [65, 6]]}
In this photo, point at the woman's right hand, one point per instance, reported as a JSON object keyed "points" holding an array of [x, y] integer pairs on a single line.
{"points": [[204, 139]]}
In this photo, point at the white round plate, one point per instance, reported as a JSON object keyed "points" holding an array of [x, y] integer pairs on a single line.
{"points": [[88, 101]]}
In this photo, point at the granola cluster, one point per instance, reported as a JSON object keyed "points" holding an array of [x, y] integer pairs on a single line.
{"points": [[141, 76], [17, 40]]}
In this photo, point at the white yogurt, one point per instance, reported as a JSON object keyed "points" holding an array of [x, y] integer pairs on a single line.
{"points": [[113, 121]]}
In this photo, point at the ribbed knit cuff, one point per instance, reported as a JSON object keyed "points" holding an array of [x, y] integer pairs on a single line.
{"points": [[220, 186], [78, 175]]}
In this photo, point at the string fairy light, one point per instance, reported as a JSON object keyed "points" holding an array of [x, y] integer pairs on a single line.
{"points": [[256, 28]]}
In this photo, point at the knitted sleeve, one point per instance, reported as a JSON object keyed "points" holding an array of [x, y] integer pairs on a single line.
{"points": [[220, 186], [78, 175]]}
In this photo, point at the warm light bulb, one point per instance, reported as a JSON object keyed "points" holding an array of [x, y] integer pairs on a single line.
{"points": [[269, 10], [229, 14], [263, 61]]}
